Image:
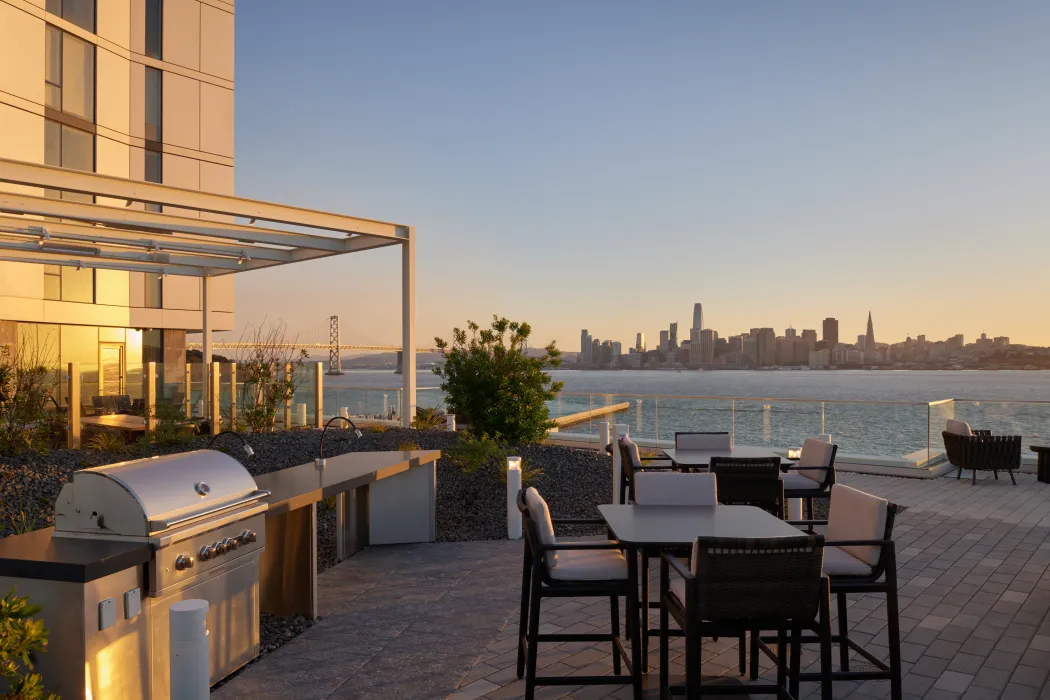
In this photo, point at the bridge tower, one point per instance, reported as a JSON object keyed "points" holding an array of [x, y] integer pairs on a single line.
{"points": [[335, 365]]}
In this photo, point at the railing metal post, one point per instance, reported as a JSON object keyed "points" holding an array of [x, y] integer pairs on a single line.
{"points": [[657, 400], [319, 396], [188, 399], [732, 419], [214, 389], [73, 417], [822, 417], [151, 399], [288, 397], [614, 438], [233, 396]]}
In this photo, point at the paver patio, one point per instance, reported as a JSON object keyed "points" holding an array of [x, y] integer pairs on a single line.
{"points": [[439, 621]]}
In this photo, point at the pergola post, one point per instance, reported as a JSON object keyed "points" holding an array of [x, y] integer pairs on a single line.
{"points": [[206, 343], [214, 392], [233, 396], [73, 415], [408, 327], [151, 399]]}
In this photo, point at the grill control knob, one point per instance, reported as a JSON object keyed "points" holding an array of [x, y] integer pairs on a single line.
{"points": [[231, 544], [219, 547], [207, 552], [183, 562], [248, 536]]}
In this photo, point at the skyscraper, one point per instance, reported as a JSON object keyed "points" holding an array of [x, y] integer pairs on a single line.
{"points": [[639, 343], [665, 342], [831, 331], [585, 346], [698, 316], [767, 346], [869, 338], [673, 337]]}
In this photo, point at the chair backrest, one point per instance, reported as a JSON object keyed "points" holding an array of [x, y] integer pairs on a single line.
{"points": [[750, 482], [703, 441], [957, 427], [817, 453], [675, 489], [856, 515], [769, 579], [96, 402], [538, 524]]}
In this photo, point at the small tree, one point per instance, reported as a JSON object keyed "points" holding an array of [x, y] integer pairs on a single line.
{"points": [[491, 382], [26, 386], [262, 369], [20, 637]]}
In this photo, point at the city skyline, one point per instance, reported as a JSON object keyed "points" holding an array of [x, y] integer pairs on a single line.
{"points": [[816, 146]]}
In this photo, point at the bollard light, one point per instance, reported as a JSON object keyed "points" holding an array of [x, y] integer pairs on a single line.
{"points": [[190, 661], [513, 486], [450, 422], [344, 412], [300, 413]]}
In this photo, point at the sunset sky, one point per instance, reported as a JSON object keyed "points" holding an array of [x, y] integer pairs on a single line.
{"points": [[604, 165]]}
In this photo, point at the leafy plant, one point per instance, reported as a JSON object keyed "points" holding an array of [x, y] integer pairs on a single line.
{"points": [[271, 370], [21, 636], [20, 522], [408, 446], [529, 473], [171, 426], [427, 418], [376, 428], [26, 387], [470, 453], [106, 441], [493, 385]]}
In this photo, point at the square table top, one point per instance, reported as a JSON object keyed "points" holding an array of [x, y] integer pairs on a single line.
{"points": [[702, 458], [679, 526]]}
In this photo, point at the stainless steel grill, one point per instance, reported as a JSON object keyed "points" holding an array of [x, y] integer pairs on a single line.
{"points": [[202, 515]]}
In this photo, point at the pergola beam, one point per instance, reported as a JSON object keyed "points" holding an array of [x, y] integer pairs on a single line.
{"points": [[65, 231], [35, 175], [161, 258], [102, 264]]}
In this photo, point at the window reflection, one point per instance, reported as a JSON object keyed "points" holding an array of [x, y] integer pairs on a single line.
{"points": [[154, 290], [79, 12], [154, 28]]}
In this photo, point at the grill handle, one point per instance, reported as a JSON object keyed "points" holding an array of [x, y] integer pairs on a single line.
{"points": [[159, 525]]}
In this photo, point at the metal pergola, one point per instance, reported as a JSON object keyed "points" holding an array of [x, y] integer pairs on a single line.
{"points": [[233, 235]]}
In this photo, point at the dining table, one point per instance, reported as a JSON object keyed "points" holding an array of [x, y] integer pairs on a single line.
{"points": [[651, 529]]}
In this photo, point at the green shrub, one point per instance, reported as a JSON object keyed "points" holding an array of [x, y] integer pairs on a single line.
{"points": [[21, 636], [171, 426], [471, 453], [376, 428], [408, 446], [26, 388], [106, 441], [427, 419], [493, 385]]}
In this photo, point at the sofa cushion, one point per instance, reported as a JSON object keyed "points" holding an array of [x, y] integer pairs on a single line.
{"points": [[794, 481], [855, 515], [957, 427], [815, 453], [838, 562], [703, 441], [541, 515], [675, 489], [632, 450], [590, 565]]}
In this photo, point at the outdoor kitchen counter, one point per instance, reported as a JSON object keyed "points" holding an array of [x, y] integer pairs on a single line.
{"points": [[381, 498], [38, 555]]}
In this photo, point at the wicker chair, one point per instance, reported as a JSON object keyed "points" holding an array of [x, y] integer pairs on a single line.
{"points": [[631, 463], [814, 475], [859, 557], [736, 585], [750, 482], [982, 450], [555, 569]]}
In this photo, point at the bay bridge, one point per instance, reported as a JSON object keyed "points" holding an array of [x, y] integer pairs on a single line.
{"points": [[334, 347]]}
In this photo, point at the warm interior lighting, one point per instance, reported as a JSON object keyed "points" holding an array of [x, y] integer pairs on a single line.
{"points": [[794, 453]]}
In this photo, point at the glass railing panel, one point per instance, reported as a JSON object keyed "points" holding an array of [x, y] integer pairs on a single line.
{"points": [[305, 380], [779, 425], [939, 413], [689, 414], [889, 430], [1029, 419]]}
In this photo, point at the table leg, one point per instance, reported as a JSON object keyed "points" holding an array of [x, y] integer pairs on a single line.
{"points": [[794, 509], [644, 575], [351, 522]]}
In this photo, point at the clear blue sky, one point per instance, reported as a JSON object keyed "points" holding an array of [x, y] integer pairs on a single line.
{"points": [[606, 164]]}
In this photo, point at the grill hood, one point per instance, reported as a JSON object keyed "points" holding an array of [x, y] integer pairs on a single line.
{"points": [[145, 497]]}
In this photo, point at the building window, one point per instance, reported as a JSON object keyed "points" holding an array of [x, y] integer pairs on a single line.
{"points": [[67, 147], [155, 28], [69, 74], [78, 285], [154, 104], [154, 173], [53, 282], [154, 290], [79, 12]]}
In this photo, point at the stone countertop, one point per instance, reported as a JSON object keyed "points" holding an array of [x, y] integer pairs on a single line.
{"points": [[298, 486], [40, 555]]}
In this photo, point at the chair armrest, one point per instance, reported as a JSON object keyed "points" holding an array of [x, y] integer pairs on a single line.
{"points": [[577, 521], [983, 433], [857, 543], [675, 565], [806, 522], [569, 546], [651, 465], [795, 468]]}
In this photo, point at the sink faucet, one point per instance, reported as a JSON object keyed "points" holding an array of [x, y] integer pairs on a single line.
{"points": [[320, 462], [248, 451]]}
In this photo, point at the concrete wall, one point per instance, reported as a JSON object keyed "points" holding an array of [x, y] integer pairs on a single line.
{"points": [[198, 140]]}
